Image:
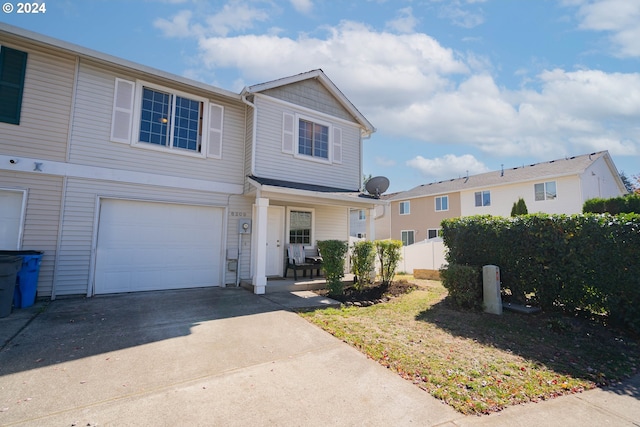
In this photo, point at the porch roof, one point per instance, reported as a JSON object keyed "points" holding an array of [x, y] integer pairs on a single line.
{"points": [[291, 190]]}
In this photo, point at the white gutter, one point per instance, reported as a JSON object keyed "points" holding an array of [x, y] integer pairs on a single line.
{"points": [[243, 96]]}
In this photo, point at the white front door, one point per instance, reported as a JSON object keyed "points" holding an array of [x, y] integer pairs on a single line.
{"points": [[275, 241]]}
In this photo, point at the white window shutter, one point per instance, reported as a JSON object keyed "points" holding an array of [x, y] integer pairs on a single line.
{"points": [[215, 131], [288, 127], [337, 145], [122, 116]]}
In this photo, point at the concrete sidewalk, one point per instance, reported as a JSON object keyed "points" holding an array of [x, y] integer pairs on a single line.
{"points": [[227, 357]]}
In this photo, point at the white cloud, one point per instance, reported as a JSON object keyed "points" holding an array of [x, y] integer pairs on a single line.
{"points": [[178, 26], [302, 6], [405, 22], [619, 18], [448, 166]]}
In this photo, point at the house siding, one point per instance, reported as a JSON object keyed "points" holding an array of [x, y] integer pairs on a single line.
{"points": [[91, 143], [422, 216], [46, 106], [271, 162], [79, 223], [599, 181], [503, 197], [42, 218], [313, 95]]}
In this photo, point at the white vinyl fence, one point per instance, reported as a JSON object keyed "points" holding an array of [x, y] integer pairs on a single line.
{"points": [[423, 255]]}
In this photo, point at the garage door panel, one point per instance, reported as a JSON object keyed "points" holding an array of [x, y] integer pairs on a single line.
{"points": [[154, 246]]}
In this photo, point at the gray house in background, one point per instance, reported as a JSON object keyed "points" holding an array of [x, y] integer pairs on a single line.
{"points": [[132, 179]]}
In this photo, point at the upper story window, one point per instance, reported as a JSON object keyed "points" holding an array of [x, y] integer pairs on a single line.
{"points": [[483, 198], [155, 117], [545, 191], [13, 64], [442, 203], [171, 121], [405, 208], [311, 139]]}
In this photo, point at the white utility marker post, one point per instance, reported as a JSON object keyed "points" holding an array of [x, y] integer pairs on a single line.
{"points": [[491, 289]]}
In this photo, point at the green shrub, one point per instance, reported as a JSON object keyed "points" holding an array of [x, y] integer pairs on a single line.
{"points": [[629, 203], [363, 259], [586, 262], [389, 255], [464, 286], [333, 257], [519, 208]]}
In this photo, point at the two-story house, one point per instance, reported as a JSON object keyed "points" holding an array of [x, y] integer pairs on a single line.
{"points": [[129, 178], [556, 187]]}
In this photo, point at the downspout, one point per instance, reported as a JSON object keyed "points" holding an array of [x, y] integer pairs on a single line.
{"points": [[253, 130]]}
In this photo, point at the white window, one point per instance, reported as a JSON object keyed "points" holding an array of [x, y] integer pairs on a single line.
{"points": [[442, 203], [407, 237], [312, 139], [405, 208], [432, 233], [156, 117], [483, 198], [301, 226], [545, 191]]}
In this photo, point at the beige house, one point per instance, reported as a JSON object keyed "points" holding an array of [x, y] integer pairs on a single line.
{"points": [[556, 187], [130, 179]]}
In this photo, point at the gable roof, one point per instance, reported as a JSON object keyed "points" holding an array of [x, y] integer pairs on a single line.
{"points": [[83, 52], [321, 77], [567, 166]]}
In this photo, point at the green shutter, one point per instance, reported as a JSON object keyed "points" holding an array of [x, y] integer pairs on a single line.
{"points": [[13, 64]]}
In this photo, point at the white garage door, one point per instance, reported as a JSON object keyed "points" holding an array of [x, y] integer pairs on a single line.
{"points": [[152, 246], [10, 218]]}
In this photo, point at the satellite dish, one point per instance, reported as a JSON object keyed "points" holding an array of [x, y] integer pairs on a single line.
{"points": [[377, 185]]}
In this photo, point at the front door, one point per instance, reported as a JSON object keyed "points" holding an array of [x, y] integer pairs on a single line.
{"points": [[275, 243]]}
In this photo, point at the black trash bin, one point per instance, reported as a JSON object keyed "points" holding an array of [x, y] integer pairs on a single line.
{"points": [[9, 266]]}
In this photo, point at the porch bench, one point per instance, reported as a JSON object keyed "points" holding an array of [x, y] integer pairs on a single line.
{"points": [[301, 258]]}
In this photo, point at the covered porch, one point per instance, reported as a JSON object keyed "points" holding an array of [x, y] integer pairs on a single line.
{"points": [[288, 213]]}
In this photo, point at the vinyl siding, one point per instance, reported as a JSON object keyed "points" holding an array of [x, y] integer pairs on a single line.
{"points": [[422, 216], [569, 200], [42, 219], [91, 143], [78, 233], [311, 94], [46, 107], [271, 162]]}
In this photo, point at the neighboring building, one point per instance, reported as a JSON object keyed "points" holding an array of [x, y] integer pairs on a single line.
{"points": [[556, 187], [130, 178]]}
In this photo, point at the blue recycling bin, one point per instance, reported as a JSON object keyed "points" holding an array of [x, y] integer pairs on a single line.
{"points": [[27, 277]]}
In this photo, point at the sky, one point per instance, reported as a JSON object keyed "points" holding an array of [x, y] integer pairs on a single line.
{"points": [[453, 87]]}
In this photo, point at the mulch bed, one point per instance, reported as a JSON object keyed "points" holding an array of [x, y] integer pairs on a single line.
{"points": [[375, 293]]}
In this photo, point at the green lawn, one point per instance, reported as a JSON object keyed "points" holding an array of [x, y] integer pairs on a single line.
{"points": [[477, 362]]}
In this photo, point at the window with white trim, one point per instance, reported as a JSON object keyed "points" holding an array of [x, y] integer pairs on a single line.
{"points": [[405, 207], [407, 237], [152, 116], [545, 191], [432, 233], [13, 65], [300, 226], [312, 139], [362, 215], [483, 198], [442, 203]]}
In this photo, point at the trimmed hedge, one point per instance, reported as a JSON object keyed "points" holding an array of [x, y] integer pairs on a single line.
{"points": [[588, 262], [464, 284], [623, 204]]}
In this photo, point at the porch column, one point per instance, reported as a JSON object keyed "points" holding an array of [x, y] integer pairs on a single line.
{"points": [[259, 280]]}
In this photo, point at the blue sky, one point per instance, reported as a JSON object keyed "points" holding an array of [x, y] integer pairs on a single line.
{"points": [[452, 86]]}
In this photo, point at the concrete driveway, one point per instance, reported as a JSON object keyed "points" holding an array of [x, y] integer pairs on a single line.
{"points": [[227, 357]]}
